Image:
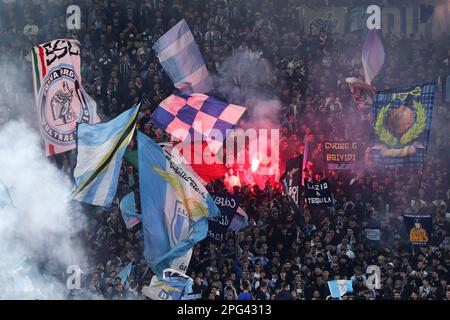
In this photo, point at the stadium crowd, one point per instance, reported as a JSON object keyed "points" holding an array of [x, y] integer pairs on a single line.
{"points": [[282, 254]]}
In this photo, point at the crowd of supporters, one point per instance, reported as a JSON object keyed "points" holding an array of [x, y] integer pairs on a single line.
{"points": [[282, 254]]}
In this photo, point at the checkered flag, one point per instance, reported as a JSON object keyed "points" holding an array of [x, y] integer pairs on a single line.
{"points": [[197, 115]]}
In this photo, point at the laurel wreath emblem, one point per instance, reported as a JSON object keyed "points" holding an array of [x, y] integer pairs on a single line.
{"points": [[412, 133]]}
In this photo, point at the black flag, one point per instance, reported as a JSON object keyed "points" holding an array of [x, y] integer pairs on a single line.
{"points": [[318, 194], [218, 226], [419, 228], [291, 178]]}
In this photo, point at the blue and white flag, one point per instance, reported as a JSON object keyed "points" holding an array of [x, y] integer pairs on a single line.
{"points": [[125, 273], [128, 210], [100, 151], [175, 208], [239, 221], [172, 285], [340, 287], [186, 116], [181, 59]]}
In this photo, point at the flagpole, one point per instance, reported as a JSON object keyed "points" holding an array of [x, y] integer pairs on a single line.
{"points": [[7, 193], [421, 175]]}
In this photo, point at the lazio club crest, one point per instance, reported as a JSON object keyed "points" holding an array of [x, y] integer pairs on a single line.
{"points": [[181, 225]]}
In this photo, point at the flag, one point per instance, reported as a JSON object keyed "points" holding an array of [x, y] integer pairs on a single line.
{"points": [[228, 206], [125, 273], [5, 197], [132, 158], [175, 207], [211, 167], [197, 116], [172, 285], [61, 101], [181, 59], [128, 210], [419, 228], [318, 194], [401, 125], [100, 151], [199, 157], [291, 178], [240, 220], [372, 56], [305, 158], [362, 94], [340, 287]]}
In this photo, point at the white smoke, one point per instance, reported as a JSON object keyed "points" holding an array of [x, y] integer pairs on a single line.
{"points": [[248, 79], [37, 234]]}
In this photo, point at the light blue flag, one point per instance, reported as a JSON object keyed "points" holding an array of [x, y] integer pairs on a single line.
{"points": [[181, 59], [172, 285], [239, 221], [340, 287], [5, 197], [175, 208], [128, 210], [125, 273], [100, 151]]}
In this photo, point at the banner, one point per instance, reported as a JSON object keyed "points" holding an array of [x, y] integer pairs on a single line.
{"points": [[61, 101], [229, 207], [401, 125], [341, 155], [318, 195], [175, 207], [218, 226], [419, 228], [292, 178]]}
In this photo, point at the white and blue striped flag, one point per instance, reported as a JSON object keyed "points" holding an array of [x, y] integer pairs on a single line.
{"points": [[340, 287], [100, 151], [180, 57]]}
